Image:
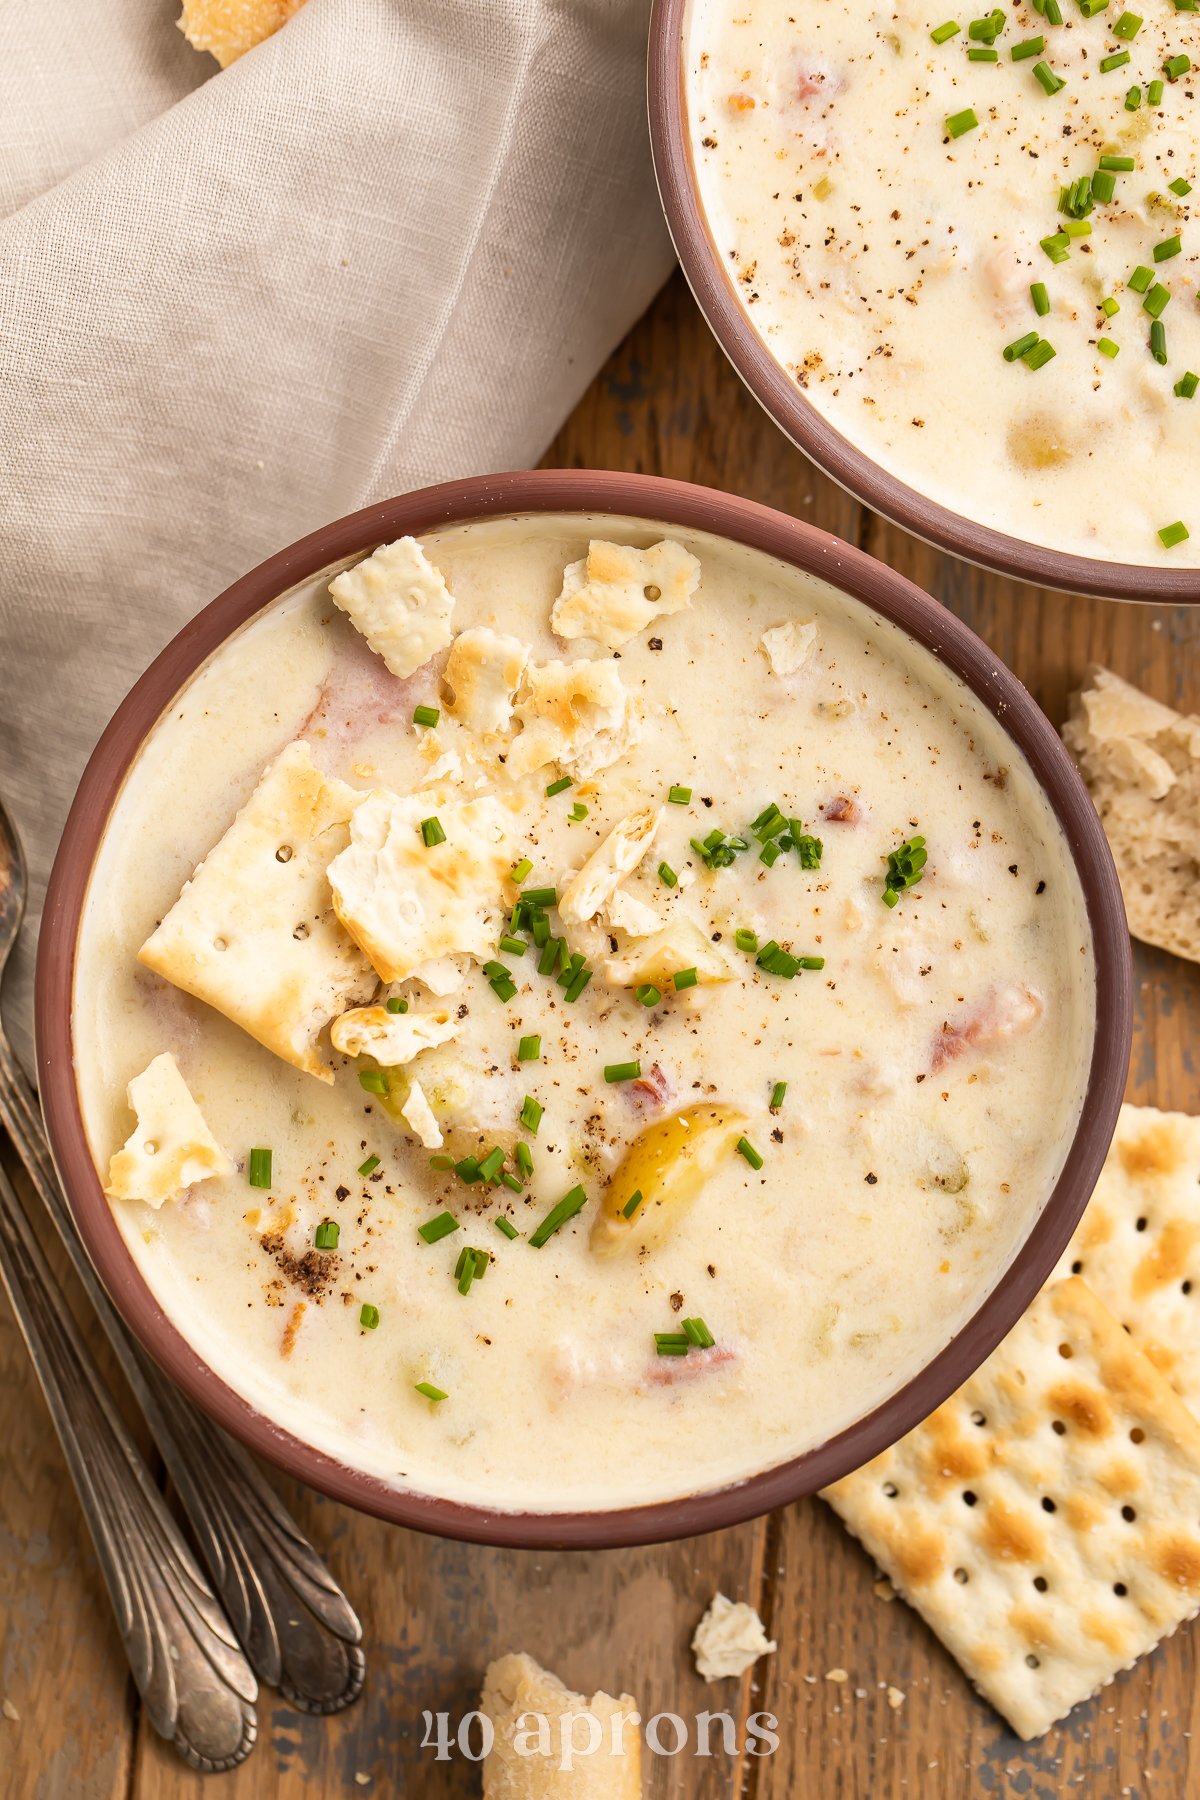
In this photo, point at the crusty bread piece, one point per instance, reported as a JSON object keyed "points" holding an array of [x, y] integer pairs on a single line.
{"points": [[1141, 762], [1138, 1244], [1045, 1522], [228, 28], [515, 1686]]}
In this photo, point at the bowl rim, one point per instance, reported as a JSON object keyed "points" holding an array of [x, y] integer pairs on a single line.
{"points": [[795, 414], [680, 506]]}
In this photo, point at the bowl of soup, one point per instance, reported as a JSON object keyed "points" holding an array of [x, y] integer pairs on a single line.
{"points": [[957, 261], [575, 1008]]}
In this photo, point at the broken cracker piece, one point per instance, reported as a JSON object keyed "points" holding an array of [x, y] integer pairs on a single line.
{"points": [[253, 933], [400, 604], [617, 856], [391, 1038], [789, 646], [577, 714], [171, 1147], [228, 28], [616, 591], [1045, 1521], [483, 672], [1138, 1243], [418, 1114], [728, 1639], [410, 905]]}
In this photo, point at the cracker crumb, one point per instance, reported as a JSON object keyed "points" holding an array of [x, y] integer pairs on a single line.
{"points": [[896, 1698], [883, 1590], [836, 1675], [9, 1710]]}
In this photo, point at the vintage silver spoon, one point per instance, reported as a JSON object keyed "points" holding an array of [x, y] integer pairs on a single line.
{"points": [[299, 1631]]}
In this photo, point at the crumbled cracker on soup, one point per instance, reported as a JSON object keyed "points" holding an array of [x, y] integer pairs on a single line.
{"points": [[616, 591], [399, 603], [171, 1147]]}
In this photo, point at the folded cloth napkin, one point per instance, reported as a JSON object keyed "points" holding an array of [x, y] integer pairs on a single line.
{"points": [[389, 246]]}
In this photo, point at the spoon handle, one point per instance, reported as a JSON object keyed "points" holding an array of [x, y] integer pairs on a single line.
{"points": [[295, 1624], [196, 1686]]}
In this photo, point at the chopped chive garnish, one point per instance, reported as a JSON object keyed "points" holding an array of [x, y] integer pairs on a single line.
{"points": [[1057, 246], [1170, 535], [1117, 60], [679, 796], [745, 1148], [1154, 93], [504, 987], [426, 715], [979, 54], [541, 931], [1186, 386], [1019, 346], [811, 962], [906, 866], [326, 1236], [523, 1157], [529, 1049], [512, 946], [771, 851], [941, 34], [647, 993], [1077, 228], [778, 1093], [558, 787], [467, 1169], [1104, 186], [632, 1204], [959, 123], [543, 896], [746, 940], [472, 1265], [439, 1227], [1156, 300], [1106, 347], [667, 875], [1053, 12], [1141, 278], [1031, 47], [1127, 27], [1041, 299], [684, 978], [369, 1167], [1048, 79], [506, 1226], [374, 1081], [808, 849], [396, 1003], [521, 870], [491, 1164], [1089, 8], [777, 961], [430, 1392], [531, 1114], [698, 1334], [1039, 356], [441, 1161], [1180, 186], [671, 1343], [1133, 99], [258, 1174], [548, 961], [1168, 248], [577, 814], [769, 823], [368, 1316], [558, 1216], [577, 985], [1110, 307], [626, 1071], [432, 833], [1158, 341], [1175, 66], [512, 1182]]}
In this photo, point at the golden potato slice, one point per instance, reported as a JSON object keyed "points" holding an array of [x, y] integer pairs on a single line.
{"points": [[668, 1163]]}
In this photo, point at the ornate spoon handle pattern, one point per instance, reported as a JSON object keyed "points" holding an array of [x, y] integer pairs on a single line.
{"points": [[297, 1627], [197, 1687]]}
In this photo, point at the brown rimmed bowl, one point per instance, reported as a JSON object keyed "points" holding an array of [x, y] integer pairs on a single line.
{"points": [[673, 504], [795, 415]]}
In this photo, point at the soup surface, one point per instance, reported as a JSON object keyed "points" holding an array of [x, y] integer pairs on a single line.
{"points": [[842, 1083], [888, 264]]}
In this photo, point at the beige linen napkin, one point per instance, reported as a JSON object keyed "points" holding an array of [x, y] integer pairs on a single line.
{"points": [[389, 246]]}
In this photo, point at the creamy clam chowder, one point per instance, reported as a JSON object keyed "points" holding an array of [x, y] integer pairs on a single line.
{"points": [[972, 243], [585, 1016]]}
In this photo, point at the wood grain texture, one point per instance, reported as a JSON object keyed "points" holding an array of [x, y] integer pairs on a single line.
{"points": [[667, 403]]}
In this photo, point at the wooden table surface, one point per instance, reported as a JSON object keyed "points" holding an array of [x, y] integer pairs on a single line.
{"points": [[435, 1612]]}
